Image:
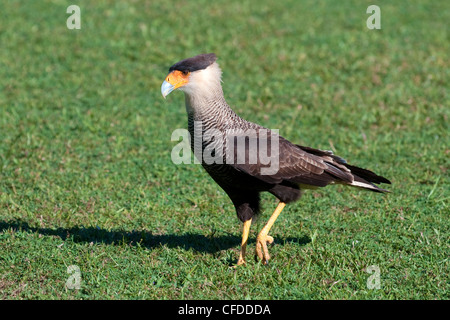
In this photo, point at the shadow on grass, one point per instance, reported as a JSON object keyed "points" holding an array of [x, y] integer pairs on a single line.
{"points": [[197, 242]]}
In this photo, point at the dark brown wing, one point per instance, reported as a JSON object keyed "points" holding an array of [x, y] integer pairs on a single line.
{"points": [[304, 166], [356, 171], [292, 164]]}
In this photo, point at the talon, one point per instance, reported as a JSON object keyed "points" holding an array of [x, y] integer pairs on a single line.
{"points": [[240, 262], [261, 247]]}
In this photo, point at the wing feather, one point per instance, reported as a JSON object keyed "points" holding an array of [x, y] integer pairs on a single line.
{"points": [[296, 165], [305, 166]]}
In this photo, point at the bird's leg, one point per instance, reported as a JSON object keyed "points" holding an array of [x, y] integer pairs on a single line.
{"points": [[245, 232], [263, 237]]}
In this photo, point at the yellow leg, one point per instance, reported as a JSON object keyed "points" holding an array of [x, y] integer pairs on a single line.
{"points": [[245, 232], [264, 238]]}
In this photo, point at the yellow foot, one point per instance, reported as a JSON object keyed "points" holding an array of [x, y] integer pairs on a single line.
{"points": [[239, 263], [261, 247]]}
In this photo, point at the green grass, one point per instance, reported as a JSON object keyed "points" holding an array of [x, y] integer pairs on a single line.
{"points": [[86, 176]]}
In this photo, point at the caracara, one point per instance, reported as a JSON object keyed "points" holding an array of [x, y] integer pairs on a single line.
{"points": [[245, 159]]}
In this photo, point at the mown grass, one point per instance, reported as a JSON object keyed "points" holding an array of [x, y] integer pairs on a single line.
{"points": [[86, 176]]}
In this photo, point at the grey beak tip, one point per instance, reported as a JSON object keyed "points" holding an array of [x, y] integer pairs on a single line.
{"points": [[166, 88]]}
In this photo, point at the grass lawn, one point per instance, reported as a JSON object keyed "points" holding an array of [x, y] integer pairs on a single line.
{"points": [[86, 176]]}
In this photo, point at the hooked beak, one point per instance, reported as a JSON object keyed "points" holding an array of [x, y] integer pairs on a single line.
{"points": [[166, 88], [174, 80]]}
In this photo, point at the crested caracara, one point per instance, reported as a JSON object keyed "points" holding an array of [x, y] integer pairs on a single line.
{"points": [[245, 159]]}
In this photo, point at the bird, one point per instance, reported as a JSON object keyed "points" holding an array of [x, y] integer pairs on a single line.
{"points": [[246, 159]]}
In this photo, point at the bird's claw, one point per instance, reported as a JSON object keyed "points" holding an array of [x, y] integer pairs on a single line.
{"points": [[261, 247], [240, 262]]}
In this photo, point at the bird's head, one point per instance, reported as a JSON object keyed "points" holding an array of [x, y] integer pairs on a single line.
{"points": [[192, 75]]}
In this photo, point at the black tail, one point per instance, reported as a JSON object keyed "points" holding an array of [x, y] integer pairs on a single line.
{"points": [[363, 178]]}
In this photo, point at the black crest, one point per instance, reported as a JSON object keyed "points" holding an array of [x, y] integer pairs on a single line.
{"points": [[200, 62]]}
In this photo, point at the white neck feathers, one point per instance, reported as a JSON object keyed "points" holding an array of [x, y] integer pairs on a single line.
{"points": [[203, 88]]}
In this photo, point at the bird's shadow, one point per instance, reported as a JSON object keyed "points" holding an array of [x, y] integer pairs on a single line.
{"points": [[198, 242]]}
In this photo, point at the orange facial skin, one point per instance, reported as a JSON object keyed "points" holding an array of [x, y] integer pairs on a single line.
{"points": [[177, 78]]}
